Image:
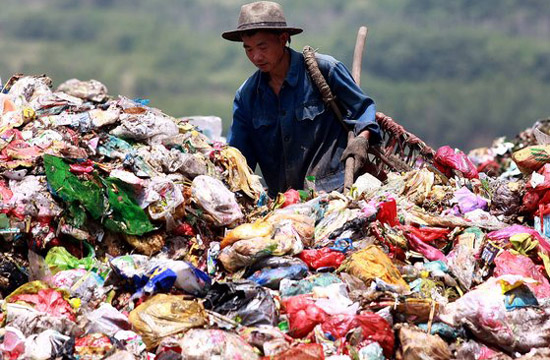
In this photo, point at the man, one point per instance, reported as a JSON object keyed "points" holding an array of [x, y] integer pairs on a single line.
{"points": [[279, 119]]}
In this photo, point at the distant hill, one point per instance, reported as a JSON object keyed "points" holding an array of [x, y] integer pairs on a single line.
{"points": [[458, 72]]}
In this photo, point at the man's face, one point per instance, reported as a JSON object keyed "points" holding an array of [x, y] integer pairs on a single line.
{"points": [[264, 49]]}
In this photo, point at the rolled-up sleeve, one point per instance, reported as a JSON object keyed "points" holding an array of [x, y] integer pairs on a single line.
{"points": [[359, 108], [240, 133]]}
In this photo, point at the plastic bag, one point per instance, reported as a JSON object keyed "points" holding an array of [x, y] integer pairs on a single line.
{"points": [[243, 301], [145, 126], [418, 345], [291, 197], [505, 234], [374, 328], [88, 90], [325, 257], [85, 285], [302, 352], [246, 252], [471, 350], [11, 276], [46, 300], [220, 203], [334, 300], [531, 158], [71, 189], [13, 344], [248, 231], [483, 311], [418, 184], [462, 263], [93, 345], [303, 315], [203, 344], [106, 320], [289, 287], [371, 263], [270, 340], [164, 315], [387, 213], [163, 197], [271, 277], [304, 225], [446, 159], [509, 264], [239, 175], [59, 259], [126, 215], [468, 201], [48, 344], [429, 252]]}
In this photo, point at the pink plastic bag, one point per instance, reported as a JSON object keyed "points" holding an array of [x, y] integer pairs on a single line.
{"points": [[429, 252], [503, 235], [446, 159], [507, 263], [48, 300]]}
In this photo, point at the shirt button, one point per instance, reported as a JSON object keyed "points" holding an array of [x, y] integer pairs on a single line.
{"points": [[287, 138]]}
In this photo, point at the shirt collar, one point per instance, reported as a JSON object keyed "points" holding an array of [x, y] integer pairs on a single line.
{"points": [[292, 74], [295, 67]]}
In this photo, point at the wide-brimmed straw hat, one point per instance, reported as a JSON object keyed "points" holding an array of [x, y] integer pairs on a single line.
{"points": [[260, 15]]}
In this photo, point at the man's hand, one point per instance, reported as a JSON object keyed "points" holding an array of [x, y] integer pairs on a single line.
{"points": [[357, 149]]}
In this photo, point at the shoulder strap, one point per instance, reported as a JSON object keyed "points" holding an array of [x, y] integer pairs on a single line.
{"points": [[320, 82]]}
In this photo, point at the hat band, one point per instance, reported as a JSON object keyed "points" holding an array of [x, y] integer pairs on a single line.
{"points": [[263, 23]]}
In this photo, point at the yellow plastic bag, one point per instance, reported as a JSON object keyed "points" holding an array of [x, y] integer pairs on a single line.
{"points": [[164, 315], [256, 229], [371, 263]]}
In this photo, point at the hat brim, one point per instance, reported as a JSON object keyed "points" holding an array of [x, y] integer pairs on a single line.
{"points": [[235, 35]]}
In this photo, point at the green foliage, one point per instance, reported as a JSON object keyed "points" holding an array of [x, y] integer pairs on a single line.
{"points": [[456, 72]]}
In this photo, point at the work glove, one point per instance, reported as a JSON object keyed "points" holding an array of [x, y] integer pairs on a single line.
{"points": [[357, 149]]}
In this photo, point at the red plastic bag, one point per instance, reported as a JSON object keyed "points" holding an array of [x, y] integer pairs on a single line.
{"points": [[84, 167], [303, 315], [375, 329], [291, 197], [387, 213], [429, 252], [507, 263], [428, 233], [300, 352], [325, 257], [446, 159]]}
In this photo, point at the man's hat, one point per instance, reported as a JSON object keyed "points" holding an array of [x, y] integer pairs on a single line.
{"points": [[260, 15]]}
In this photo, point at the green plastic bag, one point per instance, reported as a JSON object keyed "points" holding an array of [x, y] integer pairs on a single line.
{"points": [[59, 259], [118, 211], [71, 189], [125, 214]]}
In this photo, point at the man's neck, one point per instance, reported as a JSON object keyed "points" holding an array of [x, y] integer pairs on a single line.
{"points": [[278, 74]]}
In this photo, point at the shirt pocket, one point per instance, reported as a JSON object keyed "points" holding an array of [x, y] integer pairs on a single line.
{"points": [[262, 121], [310, 110]]}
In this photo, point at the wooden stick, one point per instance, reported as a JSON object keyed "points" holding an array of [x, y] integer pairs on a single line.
{"points": [[358, 54]]}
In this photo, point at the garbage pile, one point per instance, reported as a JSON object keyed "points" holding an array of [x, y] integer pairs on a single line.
{"points": [[128, 234]]}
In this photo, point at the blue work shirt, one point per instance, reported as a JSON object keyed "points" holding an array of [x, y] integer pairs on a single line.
{"points": [[295, 135]]}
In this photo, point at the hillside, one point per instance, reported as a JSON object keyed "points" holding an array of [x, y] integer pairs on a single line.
{"points": [[458, 73]]}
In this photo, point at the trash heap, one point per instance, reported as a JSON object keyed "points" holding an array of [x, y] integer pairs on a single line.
{"points": [[127, 234]]}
